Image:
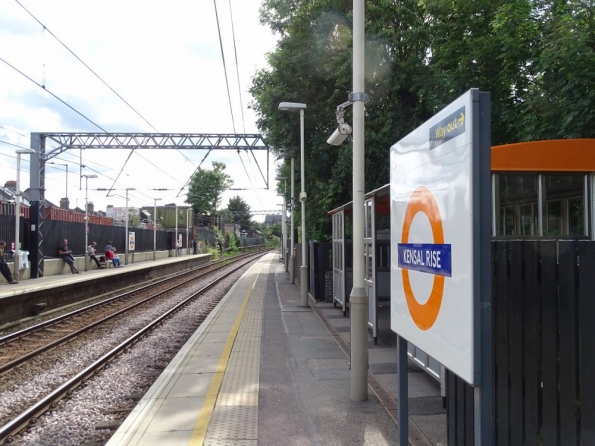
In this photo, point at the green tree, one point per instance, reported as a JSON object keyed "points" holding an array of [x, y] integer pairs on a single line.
{"points": [[535, 57], [560, 102], [239, 211], [206, 189]]}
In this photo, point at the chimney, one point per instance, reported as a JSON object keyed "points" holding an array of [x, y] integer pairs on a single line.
{"points": [[64, 203], [90, 208], [11, 185]]}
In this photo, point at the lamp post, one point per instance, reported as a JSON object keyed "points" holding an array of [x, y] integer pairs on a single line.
{"points": [[17, 213], [187, 221], [286, 155], [293, 106], [155, 229], [87, 218], [176, 240], [283, 217], [358, 301], [127, 235]]}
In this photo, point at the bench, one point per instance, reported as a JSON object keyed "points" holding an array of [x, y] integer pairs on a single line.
{"points": [[106, 263]]}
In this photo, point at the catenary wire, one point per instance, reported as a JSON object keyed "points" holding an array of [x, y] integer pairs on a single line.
{"points": [[98, 77], [63, 102], [237, 67], [224, 66]]}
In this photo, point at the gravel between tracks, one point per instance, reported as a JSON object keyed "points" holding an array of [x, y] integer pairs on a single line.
{"points": [[74, 420]]}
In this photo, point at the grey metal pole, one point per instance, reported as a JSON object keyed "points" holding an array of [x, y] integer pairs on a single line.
{"points": [[126, 232], [17, 220], [86, 222], [304, 268], [358, 301], [292, 244], [17, 214], [155, 229], [127, 235], [187, 245]]}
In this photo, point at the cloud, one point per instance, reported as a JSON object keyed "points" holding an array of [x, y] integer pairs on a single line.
{"points": [[164, 59]]}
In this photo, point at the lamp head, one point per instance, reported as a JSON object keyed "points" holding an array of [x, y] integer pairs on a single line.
{"points": [[24, 151], [291, 106]]}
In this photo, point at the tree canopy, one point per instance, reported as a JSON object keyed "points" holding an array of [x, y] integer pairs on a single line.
{"points": [[239, 211], [535, 57], [207, 187]]}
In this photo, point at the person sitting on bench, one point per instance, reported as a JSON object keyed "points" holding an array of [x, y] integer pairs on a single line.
{"points": [[91, 251], [4, 269], [66, 255]]}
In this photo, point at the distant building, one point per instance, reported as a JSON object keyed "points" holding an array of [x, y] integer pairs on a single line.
{"points": [[272, 220]]}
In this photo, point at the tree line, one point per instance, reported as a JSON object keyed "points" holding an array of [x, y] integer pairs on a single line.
{"points": [[535, 57]]}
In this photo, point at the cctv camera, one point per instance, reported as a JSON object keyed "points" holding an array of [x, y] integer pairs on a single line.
{"points": [[339, 135], [303, 196]]}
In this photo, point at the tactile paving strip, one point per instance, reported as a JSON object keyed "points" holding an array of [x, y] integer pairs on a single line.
{"points": [[234, 421]]}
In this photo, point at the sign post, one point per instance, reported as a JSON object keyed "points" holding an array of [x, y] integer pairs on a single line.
{"points": [[440, 229]]}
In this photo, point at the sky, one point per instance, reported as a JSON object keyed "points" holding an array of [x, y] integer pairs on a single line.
{"points": [[164, 60]]}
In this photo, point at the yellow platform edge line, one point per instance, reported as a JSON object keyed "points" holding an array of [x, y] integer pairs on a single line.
{"points": [[204, 417]]}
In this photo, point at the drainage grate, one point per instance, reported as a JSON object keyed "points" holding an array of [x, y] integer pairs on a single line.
{"points": [[332, 373]]}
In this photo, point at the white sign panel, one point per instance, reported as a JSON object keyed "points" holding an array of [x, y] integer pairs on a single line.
{"points": [[131, 241], [431, 237]]}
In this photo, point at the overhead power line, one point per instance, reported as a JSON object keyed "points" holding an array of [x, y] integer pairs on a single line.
{"points": [[87, 66], [101, 79], [237, 67], [224, 67], [63, 102]]}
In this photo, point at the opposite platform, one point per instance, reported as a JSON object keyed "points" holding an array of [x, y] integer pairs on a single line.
{"points": [[260, 370]]}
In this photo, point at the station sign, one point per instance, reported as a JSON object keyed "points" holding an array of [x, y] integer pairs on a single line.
{"points": [[435, 196], [131, 241]]}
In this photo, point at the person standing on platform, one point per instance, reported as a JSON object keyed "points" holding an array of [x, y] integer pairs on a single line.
{"points": [[194, 246], [66, 255], [4, 269], [91, 251], [179, 248]]}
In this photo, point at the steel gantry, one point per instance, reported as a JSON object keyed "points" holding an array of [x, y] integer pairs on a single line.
{"points": [[86, 141]]}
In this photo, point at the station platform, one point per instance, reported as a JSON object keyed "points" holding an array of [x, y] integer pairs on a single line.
{"points": [[262, 370], [32, 296]]}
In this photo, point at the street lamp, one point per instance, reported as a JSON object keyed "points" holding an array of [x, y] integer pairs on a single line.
{"points": [[187, 218], [358, 301], [155, 229], [17, 212], [293, 106], [283, 216], [87, 217], [127, 235], [176, 240], [286, 155]]}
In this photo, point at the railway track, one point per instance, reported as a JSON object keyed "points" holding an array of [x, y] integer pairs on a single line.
{"points": [[54, 333]]}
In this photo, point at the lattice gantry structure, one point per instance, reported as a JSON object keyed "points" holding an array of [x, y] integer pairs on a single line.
{"points": [[132, 141]]}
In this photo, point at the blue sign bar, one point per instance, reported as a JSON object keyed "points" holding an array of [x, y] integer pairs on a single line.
{"points": [[425, 258], [448, 128]]}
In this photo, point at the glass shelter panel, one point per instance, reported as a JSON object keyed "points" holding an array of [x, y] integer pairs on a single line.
{"points": [[566, 204], [519, 195]]}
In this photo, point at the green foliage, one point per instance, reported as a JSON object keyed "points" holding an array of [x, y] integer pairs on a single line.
{"points": [[239, 211], [535, 57], [206, 189]]}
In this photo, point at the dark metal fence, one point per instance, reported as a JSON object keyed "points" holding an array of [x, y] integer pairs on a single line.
{"points": [[54, 232], [544, 349]]}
